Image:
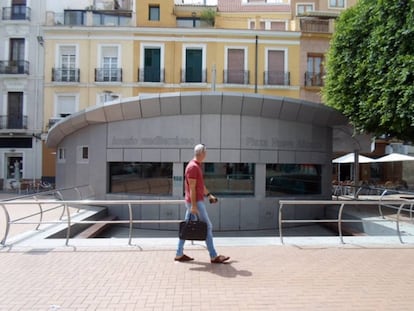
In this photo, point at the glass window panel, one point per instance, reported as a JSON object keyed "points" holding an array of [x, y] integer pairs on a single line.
{"points": [[154, 13], [288, 179], [229, 178], [143, 178]]}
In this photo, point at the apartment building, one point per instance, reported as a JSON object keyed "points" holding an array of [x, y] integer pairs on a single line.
{"points": [[100, 51], [21, 92]]}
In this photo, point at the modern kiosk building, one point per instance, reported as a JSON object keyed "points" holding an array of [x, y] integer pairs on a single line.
{"points": [[259, 149]]}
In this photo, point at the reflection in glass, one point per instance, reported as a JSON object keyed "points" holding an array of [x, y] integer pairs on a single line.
{"points": [[287, 179], [144, 178]]}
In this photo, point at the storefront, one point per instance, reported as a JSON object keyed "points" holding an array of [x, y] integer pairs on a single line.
{"points": [[260, 149]]}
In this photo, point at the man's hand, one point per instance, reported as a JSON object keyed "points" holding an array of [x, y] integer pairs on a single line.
{"points": [[194, 210], [212, 199]]}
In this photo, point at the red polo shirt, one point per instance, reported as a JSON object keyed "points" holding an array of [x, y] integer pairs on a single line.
{"points": [[193, 171]]}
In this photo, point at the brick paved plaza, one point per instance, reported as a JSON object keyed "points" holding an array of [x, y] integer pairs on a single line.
{"points": [[342, 277]]}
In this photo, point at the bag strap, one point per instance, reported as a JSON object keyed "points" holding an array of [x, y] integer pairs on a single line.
{"points": [[196, 217]]}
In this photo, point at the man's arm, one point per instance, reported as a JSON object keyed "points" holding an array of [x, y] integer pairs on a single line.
{"points": [[193, 196]]}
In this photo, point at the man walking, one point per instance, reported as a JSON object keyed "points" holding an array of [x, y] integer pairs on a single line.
{"points": [[195, 190]]}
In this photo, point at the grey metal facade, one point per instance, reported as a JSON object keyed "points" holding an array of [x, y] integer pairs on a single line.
{"points": [[165, 127]]}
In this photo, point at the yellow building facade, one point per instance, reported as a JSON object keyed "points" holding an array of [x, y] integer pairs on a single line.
{"points": [[150, 46]]}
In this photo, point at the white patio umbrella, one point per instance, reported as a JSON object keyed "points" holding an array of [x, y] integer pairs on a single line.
{"points": [[395, 157], [350, 158]]}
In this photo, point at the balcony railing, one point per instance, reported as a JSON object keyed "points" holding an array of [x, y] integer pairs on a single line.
{"points": [[108, 75], [314, 78], [314, 25], [9, 122], [189, 76], [16, 12], [112, 18], [236, 76], [90, 18], [151, 75], [65, 75], [14, 67], [276, 78], [74, 17]]}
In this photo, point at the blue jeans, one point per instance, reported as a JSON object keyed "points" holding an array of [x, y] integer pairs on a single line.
{"points": [[202, 214]]}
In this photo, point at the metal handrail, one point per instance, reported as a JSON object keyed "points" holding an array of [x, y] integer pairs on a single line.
{"points": [[394, 204], [70, 222], [56, 192]]}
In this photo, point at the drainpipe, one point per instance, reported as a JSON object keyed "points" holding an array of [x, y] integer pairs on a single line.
{"points": [[255, 66]]}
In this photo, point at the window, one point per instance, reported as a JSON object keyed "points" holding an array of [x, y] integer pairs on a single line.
{"points": [[74, 17], [66, 70], [83, 154], [236, 66], [276, 73], [154, 13], [288, 179], [188, 22], [65, 105], [61, 156], [143, 178], [111, 18], [19, 10], [252, 24], [15, 118], [273, 25], [302, 8], [315, 70], [152, 65], [16, 52], [194, 60], [229, 178], [109, 71], [339, 4]]}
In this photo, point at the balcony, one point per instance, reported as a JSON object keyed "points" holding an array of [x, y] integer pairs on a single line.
{"points": [[65, 75], [314, 78], [16, 13], [315, 25], [8, 122], [276, 78], [151, 75], [13, 67], [108, 75], [191, 76], [112, 18], [236, 76], [90, 18]]}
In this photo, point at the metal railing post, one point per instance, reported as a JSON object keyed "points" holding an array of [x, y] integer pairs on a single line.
{"points": [[340, 223], [280, 222], [398, 223], [6, 231], [41, 213], [69, 223], [380, 204], [130, 224]]}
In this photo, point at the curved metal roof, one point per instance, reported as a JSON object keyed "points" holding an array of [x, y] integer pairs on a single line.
{"points": [[185, 103]]}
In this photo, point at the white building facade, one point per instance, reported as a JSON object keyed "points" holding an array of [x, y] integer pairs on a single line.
{"points": [[21, 92]]}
